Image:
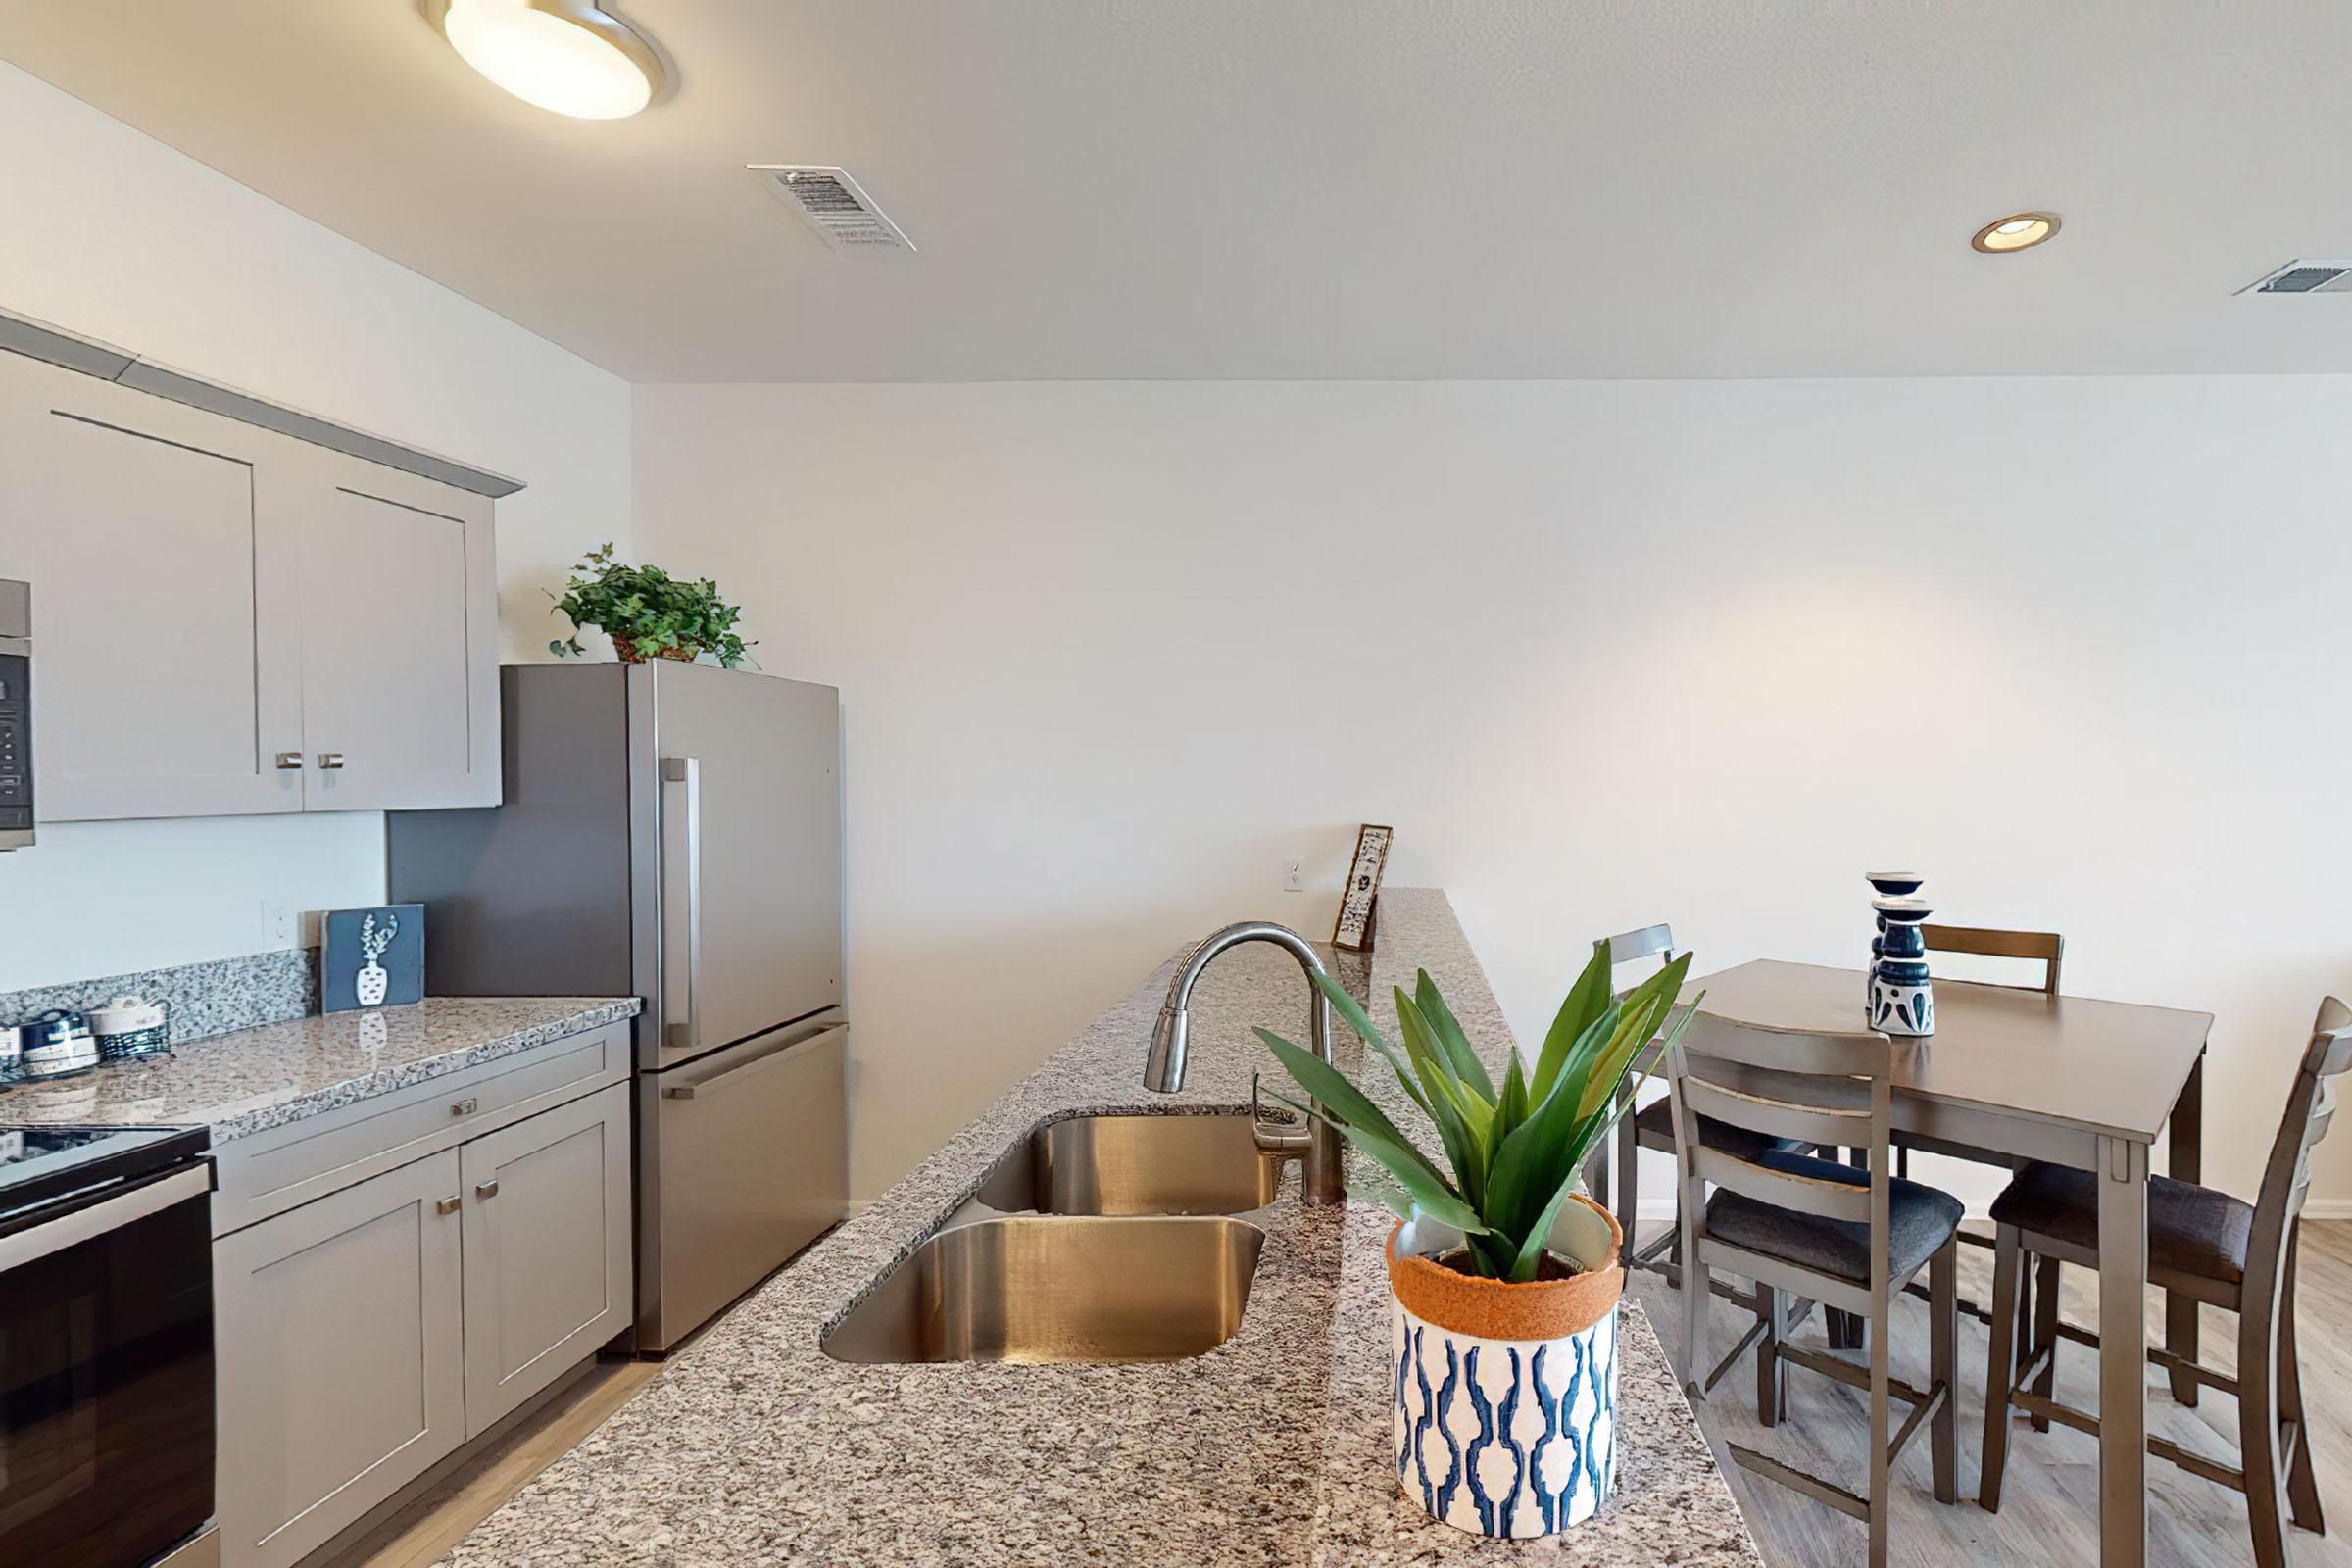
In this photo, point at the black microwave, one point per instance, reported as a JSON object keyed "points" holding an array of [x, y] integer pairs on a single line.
{"points": [[16, 713]]}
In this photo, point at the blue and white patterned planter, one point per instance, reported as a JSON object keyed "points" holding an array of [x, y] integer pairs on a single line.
{"points": [[1508, 1437], [1503, 1418]]}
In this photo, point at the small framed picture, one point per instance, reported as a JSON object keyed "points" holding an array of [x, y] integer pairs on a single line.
{"points": [[1353, 932], [371, 957]]}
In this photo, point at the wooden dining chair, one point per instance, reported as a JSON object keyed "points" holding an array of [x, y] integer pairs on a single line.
{"points": [[2204, 1245], [2047, 948], [1650, 1127], [1816, 1230]]}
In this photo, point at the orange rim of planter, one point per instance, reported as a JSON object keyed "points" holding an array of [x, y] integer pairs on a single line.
{"points": [[1498, 1309]]}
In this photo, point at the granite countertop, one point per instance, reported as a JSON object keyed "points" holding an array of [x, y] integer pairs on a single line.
{"points": [[755, 1448], [253, 1079]]}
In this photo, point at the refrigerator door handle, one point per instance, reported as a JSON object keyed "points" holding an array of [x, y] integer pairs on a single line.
{"points": [[688, 770], [702, 1088]]}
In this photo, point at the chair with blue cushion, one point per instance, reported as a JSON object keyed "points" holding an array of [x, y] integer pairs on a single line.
{"points": [[1813, 1230], [2204, 1245]]}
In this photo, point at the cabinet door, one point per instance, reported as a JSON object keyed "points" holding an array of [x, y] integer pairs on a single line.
{"points": [[547, 1248], [340, 1379], [165, 615], [400, 650]]}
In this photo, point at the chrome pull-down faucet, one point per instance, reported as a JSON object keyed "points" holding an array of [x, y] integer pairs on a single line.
{"points": [[1163, 1069]]}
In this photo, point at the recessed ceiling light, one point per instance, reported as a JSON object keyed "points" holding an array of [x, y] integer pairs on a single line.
{"points": [[568, 56], [2020, 232]]}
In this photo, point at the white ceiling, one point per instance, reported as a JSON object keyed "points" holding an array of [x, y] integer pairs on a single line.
{"points": [[1311, 188]]}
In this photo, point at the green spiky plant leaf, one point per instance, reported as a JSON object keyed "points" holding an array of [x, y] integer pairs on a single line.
{"points": [[1515, 1152]]}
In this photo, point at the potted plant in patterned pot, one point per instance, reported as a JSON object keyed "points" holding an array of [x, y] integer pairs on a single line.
{"points": [[1504, 1279], [647, 612]]}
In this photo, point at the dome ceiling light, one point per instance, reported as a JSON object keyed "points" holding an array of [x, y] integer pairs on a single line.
{"points": [[568, 56]]}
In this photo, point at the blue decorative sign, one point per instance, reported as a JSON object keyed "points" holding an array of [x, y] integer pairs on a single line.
{"points": [[371, 957]]}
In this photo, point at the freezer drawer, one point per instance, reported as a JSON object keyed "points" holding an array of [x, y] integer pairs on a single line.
{"points": [[744, 1161]]}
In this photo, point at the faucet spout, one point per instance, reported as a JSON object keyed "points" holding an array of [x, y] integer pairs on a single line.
{"points": [[1163, 1069], [1165, 1066]]}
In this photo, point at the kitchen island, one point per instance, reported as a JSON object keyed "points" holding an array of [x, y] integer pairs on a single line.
{"points": [[754, 1446]]}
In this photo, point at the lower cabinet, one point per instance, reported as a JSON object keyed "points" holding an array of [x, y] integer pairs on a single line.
{"points": [[341, 1368], [368, 1334], [546, 1249]]}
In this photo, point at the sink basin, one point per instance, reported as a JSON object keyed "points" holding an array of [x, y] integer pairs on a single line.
{"points": [[1046, 1290], [1135, 1165]]}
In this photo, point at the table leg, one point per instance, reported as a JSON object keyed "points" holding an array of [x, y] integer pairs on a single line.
{"points": [[2185, 1163], [2122, 1354]]}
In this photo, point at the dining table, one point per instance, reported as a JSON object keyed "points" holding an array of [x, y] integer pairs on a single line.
{"points": [[2071, 1081]]}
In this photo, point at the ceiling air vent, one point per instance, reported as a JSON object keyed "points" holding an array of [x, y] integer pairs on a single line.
{"points": [[2306, 278], [834, 205]]}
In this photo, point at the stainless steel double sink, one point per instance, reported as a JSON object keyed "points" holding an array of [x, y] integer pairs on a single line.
{"points": [[1094, 1238]]}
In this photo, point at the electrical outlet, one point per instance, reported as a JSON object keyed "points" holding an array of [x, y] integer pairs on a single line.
{"points": [[281, 924], [1294, 874]]}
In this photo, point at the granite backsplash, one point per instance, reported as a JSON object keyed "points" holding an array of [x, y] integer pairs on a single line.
{"points": [[206, 999]]}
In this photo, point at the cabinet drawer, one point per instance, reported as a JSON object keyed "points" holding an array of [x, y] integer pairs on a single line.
{"points": [[270, 1172]]}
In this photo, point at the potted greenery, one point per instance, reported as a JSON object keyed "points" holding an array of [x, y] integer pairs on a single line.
{"points": [[1503, 1279], [647, 612]]}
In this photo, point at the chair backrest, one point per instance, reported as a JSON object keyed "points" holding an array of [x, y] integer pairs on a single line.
{"points": [[1834, 1090], [2286, 1180], [2047, 948], [1651, 941], [1626, 946]]}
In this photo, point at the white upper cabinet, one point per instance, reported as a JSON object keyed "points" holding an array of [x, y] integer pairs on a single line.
{"points": [[229, 621], [165, 610], [399, 643]]}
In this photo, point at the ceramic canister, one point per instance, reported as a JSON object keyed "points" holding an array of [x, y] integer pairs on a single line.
{"points": [[1503, 1417], [57, 1043], [130, 1026]]}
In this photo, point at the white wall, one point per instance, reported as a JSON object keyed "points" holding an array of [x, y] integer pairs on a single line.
{"points": [[115, 236], [1604, 653]]}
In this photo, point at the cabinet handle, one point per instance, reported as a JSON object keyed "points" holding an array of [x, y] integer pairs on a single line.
{"points": [[488, 1188], [331, 760], [462, 1107], [289, 761], [447, 1205]]}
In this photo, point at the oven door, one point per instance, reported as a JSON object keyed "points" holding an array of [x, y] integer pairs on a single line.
{"points": [[106, 1376]]}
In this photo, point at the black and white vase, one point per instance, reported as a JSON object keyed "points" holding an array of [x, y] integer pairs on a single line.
{"points": [[1886, 885], [1902, 997]]}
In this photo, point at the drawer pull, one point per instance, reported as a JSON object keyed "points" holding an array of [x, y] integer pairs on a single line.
{"points": [[331, 760], [465, 1107], [447, 1205], [289, 761], [488, 1188]]}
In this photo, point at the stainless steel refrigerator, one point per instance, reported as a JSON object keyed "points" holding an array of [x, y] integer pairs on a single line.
{"points": [[670, 831]]}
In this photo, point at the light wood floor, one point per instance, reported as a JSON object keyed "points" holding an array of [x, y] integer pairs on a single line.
{"points": [[2049, 1498]]}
